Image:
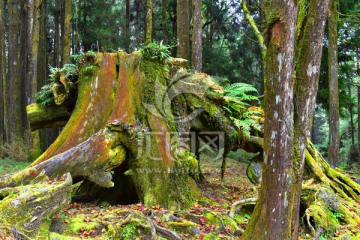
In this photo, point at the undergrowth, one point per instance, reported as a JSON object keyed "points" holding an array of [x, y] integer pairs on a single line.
{"points": [[7, 166]]}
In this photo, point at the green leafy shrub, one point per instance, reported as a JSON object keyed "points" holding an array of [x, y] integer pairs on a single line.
{"points": [[129, 231], [157, 51]]}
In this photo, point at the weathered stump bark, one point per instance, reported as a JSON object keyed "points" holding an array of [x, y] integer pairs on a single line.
{"points": [[24, 209]]}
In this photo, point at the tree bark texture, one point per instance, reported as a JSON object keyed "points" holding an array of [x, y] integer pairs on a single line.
{"points": [[127, 26], [2, 72], [57, 34], [289, 103], [149, 22], [14, 119], [183, 29], [197, 35], [66, 34], [334, 141]]}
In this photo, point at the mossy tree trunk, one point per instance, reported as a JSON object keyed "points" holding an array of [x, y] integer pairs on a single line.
{"points": [[289, 102], [2, 72], [16, 123], [149, 22], [183, 29], [334, 141], [197, 35], [272, 214], [66, 33]]}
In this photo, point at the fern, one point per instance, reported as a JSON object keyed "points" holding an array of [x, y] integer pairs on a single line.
{"points": [[240, 91], [236, 105], [45, 97]]}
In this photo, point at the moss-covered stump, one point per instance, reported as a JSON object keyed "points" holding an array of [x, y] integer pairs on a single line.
{"points": [[40, 117], [110, 127], [25, 211]]}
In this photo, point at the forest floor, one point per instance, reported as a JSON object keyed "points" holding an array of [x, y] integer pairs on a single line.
{"points": [[206, 219]]}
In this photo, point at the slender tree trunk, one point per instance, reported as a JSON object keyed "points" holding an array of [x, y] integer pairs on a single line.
{"points": [[24, 91], [2, 73], [164, 5], [41, 69], [276, 214], [13, 94], [183, 29], [358, 95], [352, 153], [358, 89], [33, 63], [271, 217], [149, 22], [197, 36], [334, 144], [66, 34], [308, 59], [127, 26], [57, 36]]}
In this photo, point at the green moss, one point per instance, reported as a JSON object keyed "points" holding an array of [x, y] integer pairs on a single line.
{"points": [[78, 224], [211, 218], [183, 226], [323, 218], [211, 236], [53, 236]]}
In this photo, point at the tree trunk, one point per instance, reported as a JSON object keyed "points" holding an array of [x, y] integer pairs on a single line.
{"points": [[276, 214], [334, 142], [149, 22], [306, 88], [14, 121], [164, 19], [34, 46], [127, 26], [358, 89], [183, 29], [197, 36], [57, 35], [66, 34], [352, 154], [2, 73], [271, 217], [46, 135]]}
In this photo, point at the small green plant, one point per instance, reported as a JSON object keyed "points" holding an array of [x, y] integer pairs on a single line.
{"points": [[322, 237], [157, 51], [129, 231], [338, 216], [105, 204], [247, 216]]}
